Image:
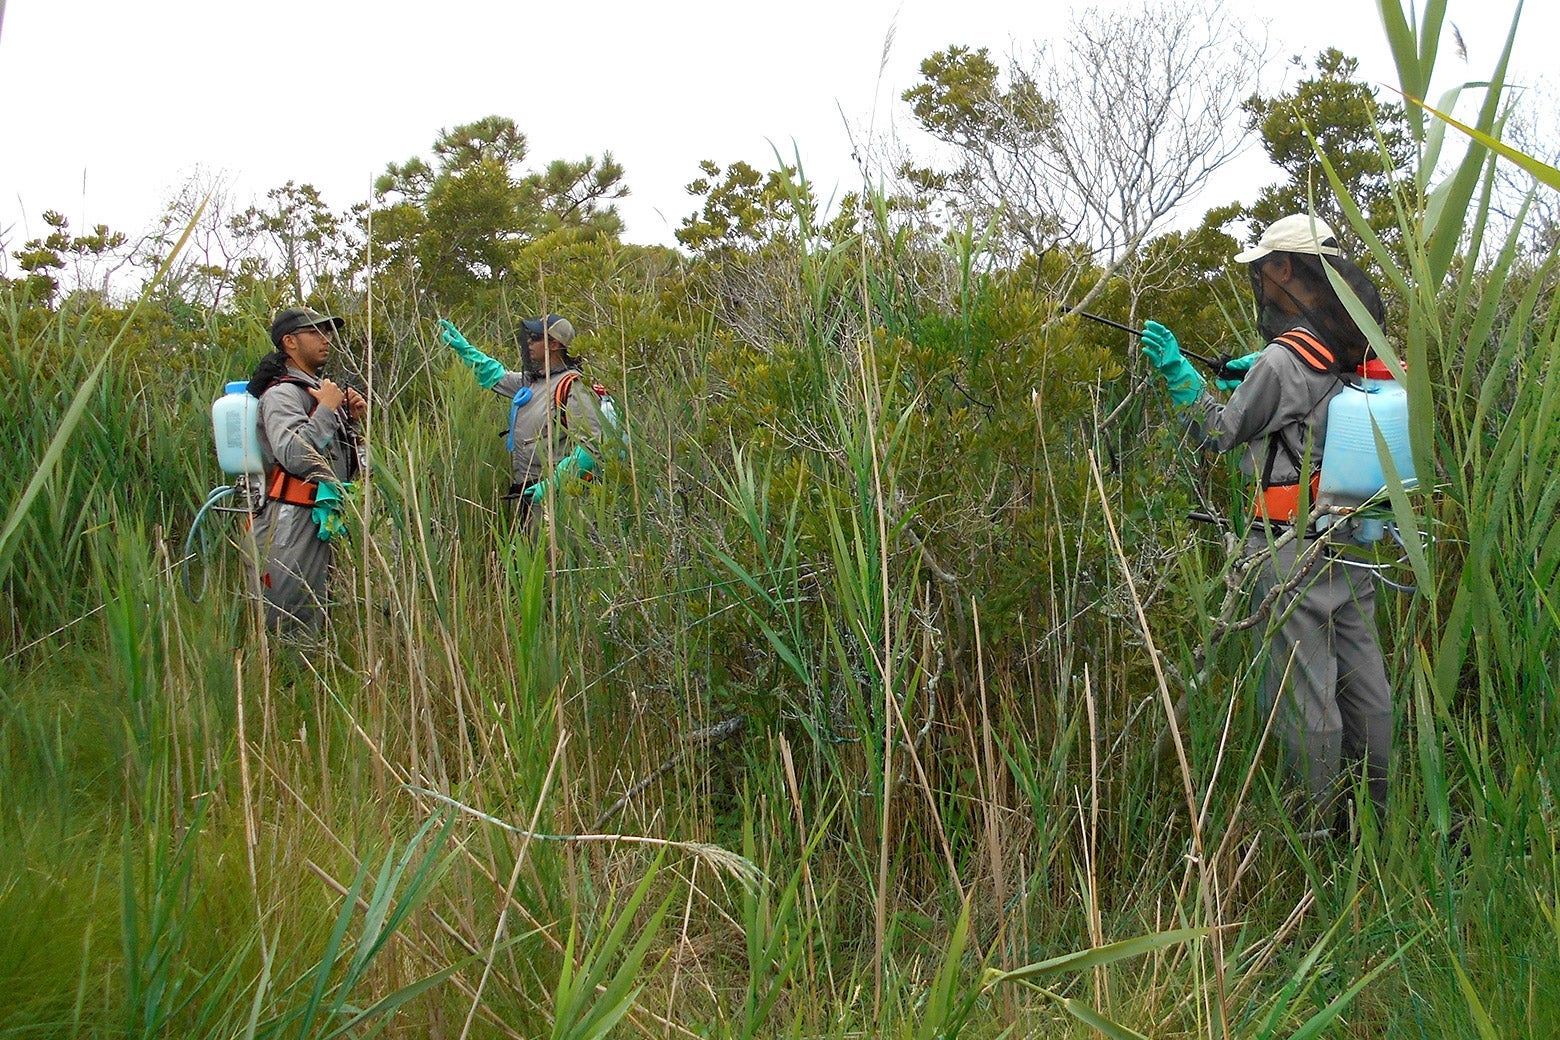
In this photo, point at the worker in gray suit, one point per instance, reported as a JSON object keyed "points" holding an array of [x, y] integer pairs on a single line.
{"points": [[308, 443], [1335, 716], [556, 415]]}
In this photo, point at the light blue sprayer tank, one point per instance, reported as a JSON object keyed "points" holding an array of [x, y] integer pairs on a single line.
{"points": [[233, 426], [233, 422], [1352, 470]]}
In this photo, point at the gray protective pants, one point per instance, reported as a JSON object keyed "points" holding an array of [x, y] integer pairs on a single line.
{"points": [[1335, 712], [293, 567]]}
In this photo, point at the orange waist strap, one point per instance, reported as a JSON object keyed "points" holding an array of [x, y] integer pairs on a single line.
{"points": [[1282, 502], [284, 487]]}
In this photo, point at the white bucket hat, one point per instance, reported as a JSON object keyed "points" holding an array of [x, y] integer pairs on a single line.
{"points": [[1296, 233]]}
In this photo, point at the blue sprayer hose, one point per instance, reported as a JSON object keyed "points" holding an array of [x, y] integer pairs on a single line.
{"points": [[190, 551]]}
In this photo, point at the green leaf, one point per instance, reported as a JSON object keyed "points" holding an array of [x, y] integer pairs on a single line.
{"points": [[579, 1012], [1099, 955], [1432, 763], [1481, 1018], [1540, 170], [1402, 510], [1092, 1018], [390, 1002], [1324, 1018], [946, 1010]]}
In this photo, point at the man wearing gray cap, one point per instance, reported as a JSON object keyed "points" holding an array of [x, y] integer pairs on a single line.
{"points": [[308, 443], [1325, 671], [554, 432]]}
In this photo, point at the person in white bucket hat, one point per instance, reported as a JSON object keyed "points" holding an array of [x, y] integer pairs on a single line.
{"points": [[1325, 675], [1296, 233]]}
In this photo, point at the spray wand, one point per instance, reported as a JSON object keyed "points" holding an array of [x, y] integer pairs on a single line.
{"points": [[1216, 367]]}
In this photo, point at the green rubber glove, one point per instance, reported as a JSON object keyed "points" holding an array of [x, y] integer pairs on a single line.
{"points": [[1164, 353], [330, 515], [487, 370], [1235, 370], [579, 463]]}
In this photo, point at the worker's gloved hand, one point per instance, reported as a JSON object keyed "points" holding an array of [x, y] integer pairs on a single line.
{"points": [[1164, 353], [522, 498], [456, 342], [487, 370], [579, 464], [330, 513], [1234, 370]]}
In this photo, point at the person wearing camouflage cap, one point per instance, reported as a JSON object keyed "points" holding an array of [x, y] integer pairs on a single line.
{"points": [[308, 443], [553, 432]]}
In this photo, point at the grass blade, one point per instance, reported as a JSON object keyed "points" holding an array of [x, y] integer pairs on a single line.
{"points": [[1095, 957]]}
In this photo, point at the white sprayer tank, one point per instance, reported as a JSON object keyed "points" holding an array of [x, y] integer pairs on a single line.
{"points": [[233, 419], [1352, 468]]}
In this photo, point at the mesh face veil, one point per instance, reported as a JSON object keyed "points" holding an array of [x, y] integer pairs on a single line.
{"points": [[538, 369], [1272, 321], [1327, 316]]}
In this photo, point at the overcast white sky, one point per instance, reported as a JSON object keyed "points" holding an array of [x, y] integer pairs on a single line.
{"points": [[106, 107]]}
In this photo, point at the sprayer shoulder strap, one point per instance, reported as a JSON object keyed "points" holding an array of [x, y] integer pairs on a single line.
{"points": [[1276, 442], [314, 402], [561, 395], [1312, 352], [280, 484], [1314, 355]]}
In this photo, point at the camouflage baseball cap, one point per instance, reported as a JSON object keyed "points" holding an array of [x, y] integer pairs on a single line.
{"points": [[559, 330], [294, 318]]}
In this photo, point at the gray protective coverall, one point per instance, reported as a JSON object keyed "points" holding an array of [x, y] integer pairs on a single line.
{"points": [[541, 440], [1338, 709], [312, 443]]}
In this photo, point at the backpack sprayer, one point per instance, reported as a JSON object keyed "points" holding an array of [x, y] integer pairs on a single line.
{"points": [[233, 420], [1353, 474]]}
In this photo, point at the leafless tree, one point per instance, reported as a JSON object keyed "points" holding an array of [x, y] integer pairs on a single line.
{"points": [[1147, 108], [1092, 141], [1532, 126]]}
